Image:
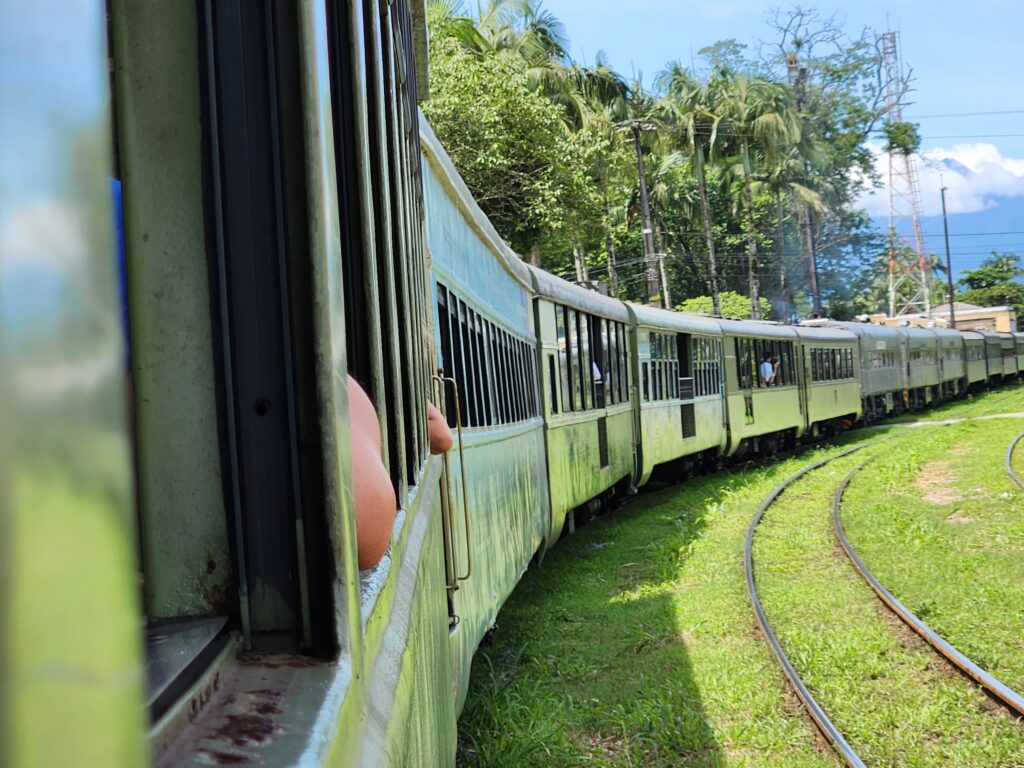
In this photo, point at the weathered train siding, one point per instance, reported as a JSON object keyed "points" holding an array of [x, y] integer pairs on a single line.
{"points": [[504, 517]]}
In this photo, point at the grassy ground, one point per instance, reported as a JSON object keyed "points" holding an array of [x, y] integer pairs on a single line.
{"points": [[942, 526], [1009, 398], [634, 643], [895, 702]]}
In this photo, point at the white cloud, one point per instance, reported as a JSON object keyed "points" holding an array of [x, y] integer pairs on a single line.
{"points": [[41, 235], [975, 176]]}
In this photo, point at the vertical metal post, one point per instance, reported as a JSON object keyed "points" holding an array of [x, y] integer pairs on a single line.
{"points": [[645, 209], [949, 266]]}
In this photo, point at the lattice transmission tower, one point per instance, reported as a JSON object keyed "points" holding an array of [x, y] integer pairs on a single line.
{"points": [[908, 268]]}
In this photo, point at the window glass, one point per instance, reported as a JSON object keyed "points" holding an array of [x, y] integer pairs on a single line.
{"points": [[574, 360]]}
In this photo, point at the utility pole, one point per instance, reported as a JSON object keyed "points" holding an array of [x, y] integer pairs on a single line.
{"points": [[653, 295], [949, 265]]}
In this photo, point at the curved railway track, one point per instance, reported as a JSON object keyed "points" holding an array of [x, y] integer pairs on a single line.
{"points": [[1009, 460], [821, 720], [989, 682]]}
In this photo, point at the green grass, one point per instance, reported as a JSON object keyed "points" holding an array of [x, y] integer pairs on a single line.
{"points": [[942, 526], [895, 702], [1009, 398], [634, 644]]}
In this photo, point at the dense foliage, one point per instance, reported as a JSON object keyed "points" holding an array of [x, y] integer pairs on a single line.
{"points": [[746, 178], [995, 283]]}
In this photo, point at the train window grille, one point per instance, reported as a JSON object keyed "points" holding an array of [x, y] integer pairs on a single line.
{"points": [[519, 376], [688, 419], [491, 387], [565, 379], [602, 440], [612, 355]]}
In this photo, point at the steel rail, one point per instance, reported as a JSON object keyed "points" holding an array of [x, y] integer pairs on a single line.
{"points": [[989, 682], [825, 725], [1009, 460]]}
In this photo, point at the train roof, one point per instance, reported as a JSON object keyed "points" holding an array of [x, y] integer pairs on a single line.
{"points": [[990, 336], [917, 335], [971, 336], [827, 333], [681, 322], [948, 337], [867, 330], [756, 329], [555, 288]]}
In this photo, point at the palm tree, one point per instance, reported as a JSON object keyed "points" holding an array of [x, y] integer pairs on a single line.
{"points": [[688, 111], [756, 113], [785, 177]]}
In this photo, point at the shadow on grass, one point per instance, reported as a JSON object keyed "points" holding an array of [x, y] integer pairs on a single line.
{"points": [[589, 664]]}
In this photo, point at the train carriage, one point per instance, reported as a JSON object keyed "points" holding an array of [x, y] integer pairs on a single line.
{"points": [[952, 367], [761, 414], [921, 357], [497, 510], [588, 392], [831, 384], [882, 373], [1019, 337], [681, 409], [975, 366], [1008, 352], [993, 356]]}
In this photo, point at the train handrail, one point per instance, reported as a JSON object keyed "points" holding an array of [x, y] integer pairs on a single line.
{"points": [[451, 567], [462, 478]]}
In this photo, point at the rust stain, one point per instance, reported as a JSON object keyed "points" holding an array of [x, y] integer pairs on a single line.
{"points": [[280, 660], [224, 758], [247, 730]]}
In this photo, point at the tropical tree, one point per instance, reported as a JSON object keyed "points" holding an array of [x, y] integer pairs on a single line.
{"points": [[759, 116], [687, 112]]}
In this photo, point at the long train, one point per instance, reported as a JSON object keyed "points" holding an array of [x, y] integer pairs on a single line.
{"points": [[177, 545]]}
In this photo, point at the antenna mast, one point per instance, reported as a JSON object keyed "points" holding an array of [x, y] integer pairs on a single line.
{"points": [[908, 268]]}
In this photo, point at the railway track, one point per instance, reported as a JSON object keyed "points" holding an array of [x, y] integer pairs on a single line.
{"points": [[835, 737], [962, 662], [1009, 460], [817, 713]]}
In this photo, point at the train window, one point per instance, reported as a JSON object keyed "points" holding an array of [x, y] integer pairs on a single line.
{"points": [[499, 385], [484, 372], [586, 363], [574, 359], [645, 375], [518, 376], [444, 331], [491, 386], [625, 371], [565, 380]]}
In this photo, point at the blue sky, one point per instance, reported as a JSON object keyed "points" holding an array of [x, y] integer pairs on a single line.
{"points": [[964, 57]]}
